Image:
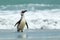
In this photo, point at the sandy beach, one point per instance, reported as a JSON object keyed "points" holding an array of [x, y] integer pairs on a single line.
{"points": [[30, 35]]}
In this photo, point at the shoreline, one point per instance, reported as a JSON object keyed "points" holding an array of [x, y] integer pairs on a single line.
{"points": [[30, 35]]}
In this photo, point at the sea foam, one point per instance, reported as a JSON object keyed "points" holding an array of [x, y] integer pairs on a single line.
{"points": [[39, 19]]}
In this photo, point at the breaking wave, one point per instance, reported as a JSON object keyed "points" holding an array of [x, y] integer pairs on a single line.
{"points": [[48, 18]]}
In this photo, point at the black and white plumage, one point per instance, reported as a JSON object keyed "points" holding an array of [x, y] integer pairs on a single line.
{"points": [[22, 22]]}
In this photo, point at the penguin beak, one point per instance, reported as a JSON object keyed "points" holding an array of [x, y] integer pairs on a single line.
{"points": [[24, 11]]}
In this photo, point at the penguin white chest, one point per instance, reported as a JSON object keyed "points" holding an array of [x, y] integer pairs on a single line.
{"points": [[22, 24]]}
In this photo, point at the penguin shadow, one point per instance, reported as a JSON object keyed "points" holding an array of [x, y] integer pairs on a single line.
{"points": [[22, 36]]}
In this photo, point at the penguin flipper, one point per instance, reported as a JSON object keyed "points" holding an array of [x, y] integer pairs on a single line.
{"points": [[17, 22], [27, 25]]}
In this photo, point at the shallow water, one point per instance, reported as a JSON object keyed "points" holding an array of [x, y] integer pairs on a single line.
{"points": [[30, 35]]}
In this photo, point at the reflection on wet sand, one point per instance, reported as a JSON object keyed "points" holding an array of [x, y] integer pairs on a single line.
{"points": [[31, 35], [22, 36]]}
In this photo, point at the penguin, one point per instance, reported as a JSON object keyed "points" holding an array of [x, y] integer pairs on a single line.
{"points": [[22, 22]]}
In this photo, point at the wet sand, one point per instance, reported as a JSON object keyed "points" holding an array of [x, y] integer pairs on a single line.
{"points": [[30, 35]]}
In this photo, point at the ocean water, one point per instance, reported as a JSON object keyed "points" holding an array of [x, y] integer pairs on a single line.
{"points": [[41, 14]]}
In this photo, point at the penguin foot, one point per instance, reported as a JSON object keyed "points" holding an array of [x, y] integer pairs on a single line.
{"points": [[18, 30], [21, 30]]}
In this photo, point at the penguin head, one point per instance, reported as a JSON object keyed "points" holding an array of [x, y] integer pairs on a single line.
{"points": [[22, 12]]}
